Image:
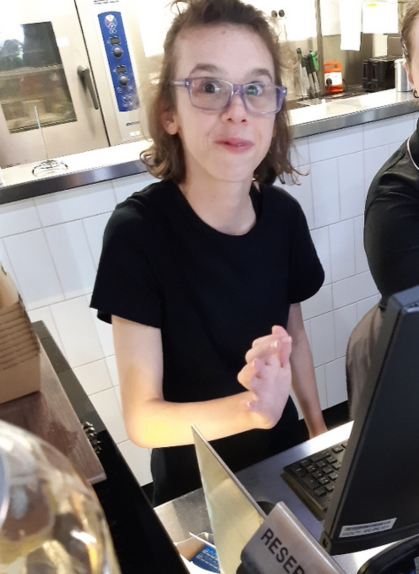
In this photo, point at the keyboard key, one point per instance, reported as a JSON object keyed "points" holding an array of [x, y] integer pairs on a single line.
{"points": [[311, 468], [320, 491], [330, 487], [327, 469], [320, 464], [305, 462], [324, 480], [318, 474], [336, 465], [333, 475], [319, 455], [300, 472], [310, 482], [337, 448], [330, 459]]}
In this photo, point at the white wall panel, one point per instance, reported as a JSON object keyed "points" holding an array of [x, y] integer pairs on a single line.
{"points": [[94, 228], [321, 242], [351, 185], [138, 459], [320, 303], [94, 376], [34, 268], [336, 382], [323, 339], [72, 258], [345, 321], [76, 203], [388, 131], [77, 331], [335, 144], [353, 289], [18, 217], [107, 405], [325, 184], [342, 249]]}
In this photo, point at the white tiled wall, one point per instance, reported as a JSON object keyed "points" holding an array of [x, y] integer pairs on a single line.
{"points": [[51, 247]]}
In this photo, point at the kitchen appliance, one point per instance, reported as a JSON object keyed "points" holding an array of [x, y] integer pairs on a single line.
{"points": [[82, 86], [378, 74], [332, 77]]}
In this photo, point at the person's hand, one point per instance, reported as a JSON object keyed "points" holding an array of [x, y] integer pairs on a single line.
{"points": [[267, 375]]}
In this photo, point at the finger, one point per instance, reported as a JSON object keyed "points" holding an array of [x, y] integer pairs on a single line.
{"points": [[270, 346], [248, 372], [263, 340], [277, 333], [286, 348]]}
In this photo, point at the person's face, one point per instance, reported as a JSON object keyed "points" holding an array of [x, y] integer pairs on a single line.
{"points": [[224, 145], [413, 69]]}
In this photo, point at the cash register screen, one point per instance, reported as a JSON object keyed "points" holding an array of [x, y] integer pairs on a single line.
{"points": [[376, 498]]}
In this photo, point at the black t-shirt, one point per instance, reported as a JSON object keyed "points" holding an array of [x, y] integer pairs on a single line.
{"points": [[211, 294], [391, 232]]}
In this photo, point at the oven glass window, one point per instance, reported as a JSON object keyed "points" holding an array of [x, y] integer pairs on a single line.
{"points": [[32, 78]]}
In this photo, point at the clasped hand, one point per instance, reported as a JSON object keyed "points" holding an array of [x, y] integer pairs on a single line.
{"points": [[267, 376]]}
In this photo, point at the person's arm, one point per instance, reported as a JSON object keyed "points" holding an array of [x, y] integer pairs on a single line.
{"points": [[303, 378], [153, 422]]}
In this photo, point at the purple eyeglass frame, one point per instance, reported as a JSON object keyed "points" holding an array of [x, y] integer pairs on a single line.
{"points": [[235, 89]]}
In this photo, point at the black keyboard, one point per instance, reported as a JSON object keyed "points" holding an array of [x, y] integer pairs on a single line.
{"points": [[313, 478]]}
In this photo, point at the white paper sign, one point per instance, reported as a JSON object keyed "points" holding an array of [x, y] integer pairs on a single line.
{"points": [[350, 12], [330, 17], [380, 17]]}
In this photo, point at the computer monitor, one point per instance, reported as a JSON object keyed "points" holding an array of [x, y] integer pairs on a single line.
{"points": [[376, 497]]}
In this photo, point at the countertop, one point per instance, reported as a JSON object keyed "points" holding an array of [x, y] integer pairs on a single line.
{"points": [[263, 481], [123, 160]]}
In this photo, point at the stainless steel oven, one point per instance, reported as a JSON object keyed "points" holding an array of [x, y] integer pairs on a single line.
{"points": [[52, 103]]}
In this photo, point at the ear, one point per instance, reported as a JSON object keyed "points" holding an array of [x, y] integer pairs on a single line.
{"points": [[169, 122], [409, 75]]}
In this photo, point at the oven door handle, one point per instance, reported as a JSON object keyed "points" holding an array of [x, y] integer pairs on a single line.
{"points": [[86, 78]]}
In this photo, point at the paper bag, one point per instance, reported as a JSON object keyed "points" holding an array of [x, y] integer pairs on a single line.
{"points": [[20, 361]]}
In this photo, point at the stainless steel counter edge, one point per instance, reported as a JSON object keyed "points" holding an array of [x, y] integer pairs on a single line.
{"points": [[356, 118], [308, 121], [61, 182]]}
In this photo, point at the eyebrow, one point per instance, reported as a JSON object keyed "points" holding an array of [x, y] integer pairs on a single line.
{"points": [[256, 72]]}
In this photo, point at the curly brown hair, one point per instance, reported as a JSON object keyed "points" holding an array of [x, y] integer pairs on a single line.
{"points": [[165, 157]]}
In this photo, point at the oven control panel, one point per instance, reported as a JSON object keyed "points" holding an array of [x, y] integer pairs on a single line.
{"points": [[119, 61]]}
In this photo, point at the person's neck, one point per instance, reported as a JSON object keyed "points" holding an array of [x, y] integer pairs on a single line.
{"points": [[225, 206]]}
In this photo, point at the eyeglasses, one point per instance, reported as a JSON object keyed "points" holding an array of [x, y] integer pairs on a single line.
{"points": [[213, 94]]}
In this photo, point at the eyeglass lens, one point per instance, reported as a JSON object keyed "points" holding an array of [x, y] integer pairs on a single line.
{"points": [[213, 94]]}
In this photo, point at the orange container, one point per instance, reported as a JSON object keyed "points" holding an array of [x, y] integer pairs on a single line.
{"points": [[332, 77]]}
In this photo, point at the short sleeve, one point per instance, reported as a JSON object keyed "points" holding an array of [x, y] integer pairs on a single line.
{"points": [[306, 273], [125, 284]]}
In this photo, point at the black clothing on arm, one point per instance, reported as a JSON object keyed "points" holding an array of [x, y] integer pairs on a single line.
{"points": [[391, 232], [211, 294]]}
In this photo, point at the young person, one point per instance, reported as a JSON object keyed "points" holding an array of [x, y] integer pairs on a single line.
{"points": [[202, 274], [391, 231]]}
